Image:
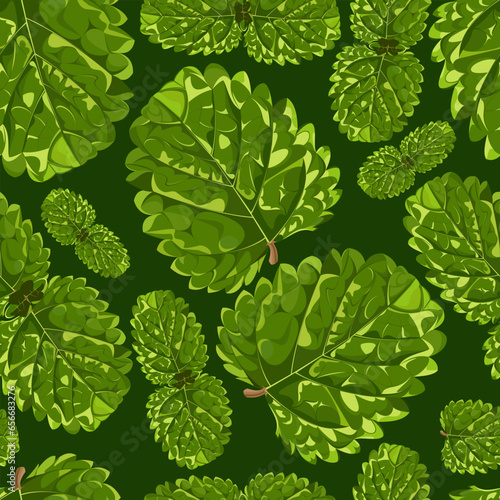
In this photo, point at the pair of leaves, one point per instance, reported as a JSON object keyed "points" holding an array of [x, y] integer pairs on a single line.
{"points": [[65, 356], [62, 66], [223, 175], [389, 171], [375, 88], [8, 438], [71, 221], [66, 478], [273, 30], [455, 225], [469, 46], [335, 347], [189, 411]]}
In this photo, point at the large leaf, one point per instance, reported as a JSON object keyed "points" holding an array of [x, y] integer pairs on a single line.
{"points": [[475, 493], [472, 433], [393, 472], [61, 71], [455, 225], [274, 30], [64, 478], [223, 175], [9, 437], [192, 423], [334, 347], [389, 172], [66, 357], [22, 256], [401, 20], [374, 94], [469, 45]]}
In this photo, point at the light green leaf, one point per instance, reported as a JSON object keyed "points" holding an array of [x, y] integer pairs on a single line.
{"points": [[224, 175], [103, 252], [202, 489], [373, 95], [472, 433], [335, 347], [9, 437], [392, 473], [67, 215], [192, 423], [65, 478], [454, 225], [401, 20], [475, 493], [61, 71], [168, 338], [389, 172], [469, 45], [22, 256], [66, 358], [274, 30], [492, 348]]}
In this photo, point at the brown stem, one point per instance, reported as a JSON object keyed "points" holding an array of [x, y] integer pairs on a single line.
{"points": [[17, 478], [273, 253], [253, 393], [443, 433]]}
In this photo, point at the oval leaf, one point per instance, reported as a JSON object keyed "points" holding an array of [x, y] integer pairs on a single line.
{"points": [[327, 346]]}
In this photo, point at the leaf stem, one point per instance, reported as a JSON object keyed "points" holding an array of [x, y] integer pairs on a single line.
{"points": [[253, 393], [273, 253], [17, 478], [443, 433]]}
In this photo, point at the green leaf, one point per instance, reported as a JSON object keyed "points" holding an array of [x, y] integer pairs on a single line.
{"points": [[67, 215], [454, 225], [65, 478], [472, 436], [9, 438], [223, 175], [66, 358], [373, 95], [22, 256], [389, 172], [475, 493], [492, 348], [469, 45], [335, 347], [282, 487], [168, 338], [203, 489], [274, 30], [192, 423], [61, 71], [103, 252], [402, 20], [393, 472]]}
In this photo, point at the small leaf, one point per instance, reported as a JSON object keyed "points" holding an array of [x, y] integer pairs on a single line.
{"points": [[9, 440], [192, 424], [492, 348], [472, 434], [392, 473], [475, 493]]}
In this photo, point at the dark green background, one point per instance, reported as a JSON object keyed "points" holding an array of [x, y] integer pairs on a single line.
{"points": [[370, 226]]}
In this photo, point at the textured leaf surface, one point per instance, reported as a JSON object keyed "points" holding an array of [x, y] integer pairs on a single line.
{"points": [[473, 436], [402, 20], [389, 172], [61, 71], [65, 478], [475, 493], [8, 439], [168, 338], [469, 46], [273, 30], [492, 348], [66, 358], [336, 345], [191, 423], [373, 95], [454, 225], [223, 173], [392, 473], [67, 215]]}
